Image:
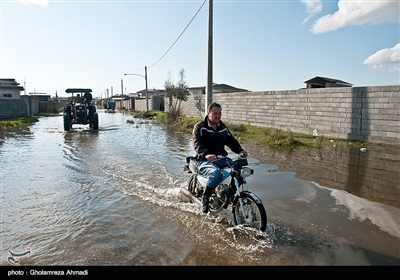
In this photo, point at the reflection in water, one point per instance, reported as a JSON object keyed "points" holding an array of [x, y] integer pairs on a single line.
{"points": [[373, 174]]}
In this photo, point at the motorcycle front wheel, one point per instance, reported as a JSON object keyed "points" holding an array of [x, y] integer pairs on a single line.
{"points": [[252, 214]]}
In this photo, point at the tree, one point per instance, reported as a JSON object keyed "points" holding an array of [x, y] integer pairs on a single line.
{"points": [[176, 94]]}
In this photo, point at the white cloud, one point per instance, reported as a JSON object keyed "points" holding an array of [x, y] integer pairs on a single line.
{"points": [[35, 2], [395, 69], [385, 56], [358, 13], [313, 7]]}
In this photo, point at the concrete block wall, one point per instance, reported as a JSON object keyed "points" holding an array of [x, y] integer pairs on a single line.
{"points": [[12, 108], [141, 104], [353, 113], [32, 104]]}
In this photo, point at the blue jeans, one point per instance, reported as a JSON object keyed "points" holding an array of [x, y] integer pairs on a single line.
{"points": [[211, 171]]}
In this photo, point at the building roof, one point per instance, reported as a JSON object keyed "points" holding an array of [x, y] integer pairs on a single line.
{"points": [[220, 88], [39, 94], [322, 81], [10, 84], [226, 88], [151, 91]]}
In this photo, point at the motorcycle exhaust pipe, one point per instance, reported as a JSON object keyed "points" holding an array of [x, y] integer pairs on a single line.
{"points": [[191, 196]]}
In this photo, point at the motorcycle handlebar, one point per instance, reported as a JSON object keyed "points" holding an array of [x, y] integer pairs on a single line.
{"points": [[240, 156]]}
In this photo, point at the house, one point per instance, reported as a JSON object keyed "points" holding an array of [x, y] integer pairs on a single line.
{"points": [[323, 82], [197, 90], [217, 88], [150, 92], [223, 88], [10, 89]]}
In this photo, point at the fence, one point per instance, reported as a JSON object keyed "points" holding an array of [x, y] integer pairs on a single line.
{"points": [[354, 113]]}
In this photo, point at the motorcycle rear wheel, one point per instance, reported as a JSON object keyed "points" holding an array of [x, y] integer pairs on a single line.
{"points": [[254, 214]]}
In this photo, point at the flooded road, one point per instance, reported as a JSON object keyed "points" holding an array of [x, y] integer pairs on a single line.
{"points": [[111, 197]]}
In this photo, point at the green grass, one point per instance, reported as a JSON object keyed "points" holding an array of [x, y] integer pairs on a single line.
{"points": [[18, 121]]}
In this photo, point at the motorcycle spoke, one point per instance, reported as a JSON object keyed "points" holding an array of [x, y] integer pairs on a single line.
{"points": [[250, 213]]}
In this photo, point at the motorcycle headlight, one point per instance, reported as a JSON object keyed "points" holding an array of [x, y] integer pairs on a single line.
{"points": [[246, 172]]}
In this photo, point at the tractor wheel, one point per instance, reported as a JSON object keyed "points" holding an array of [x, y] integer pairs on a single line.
{"points": [[95, 121], [67, 122]]}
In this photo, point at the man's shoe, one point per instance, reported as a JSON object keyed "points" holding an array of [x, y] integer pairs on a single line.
{"points": [[205, 204]]}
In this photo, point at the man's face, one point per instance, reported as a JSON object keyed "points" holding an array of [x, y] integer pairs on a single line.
{"points": [[214, 115]]}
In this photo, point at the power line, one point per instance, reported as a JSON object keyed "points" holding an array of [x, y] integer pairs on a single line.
{"points": [[180, 34], [151, 65]]}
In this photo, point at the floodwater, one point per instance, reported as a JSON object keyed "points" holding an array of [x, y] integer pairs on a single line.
{"points": [[111, 197]]}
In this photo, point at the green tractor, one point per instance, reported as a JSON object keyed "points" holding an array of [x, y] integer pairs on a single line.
{"points": [[80, 110]]}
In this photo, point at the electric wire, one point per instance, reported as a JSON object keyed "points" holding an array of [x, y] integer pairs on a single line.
{"points": [[180, 34]]}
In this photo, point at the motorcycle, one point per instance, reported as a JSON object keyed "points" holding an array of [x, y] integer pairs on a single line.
{"points": [[247, 208]]}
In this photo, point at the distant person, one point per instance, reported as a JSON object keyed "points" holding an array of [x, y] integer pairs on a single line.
{"points": [[78, 98], [87, 97]]}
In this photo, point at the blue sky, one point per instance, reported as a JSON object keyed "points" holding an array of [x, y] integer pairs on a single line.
{"points": [[50, 46]]}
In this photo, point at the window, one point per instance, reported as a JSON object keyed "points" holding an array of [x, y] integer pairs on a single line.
{"points": [[7, 95]]}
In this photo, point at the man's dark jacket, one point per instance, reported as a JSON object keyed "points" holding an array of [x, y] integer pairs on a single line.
{"points": [[208, 141]]}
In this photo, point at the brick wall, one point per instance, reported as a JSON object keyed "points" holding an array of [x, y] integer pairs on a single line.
{"points": [[354, 113]]}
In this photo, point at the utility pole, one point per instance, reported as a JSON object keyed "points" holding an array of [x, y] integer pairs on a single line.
{"points": [[147, 93], [56, 101], [122, 93], [145, 78], [209, 93]]}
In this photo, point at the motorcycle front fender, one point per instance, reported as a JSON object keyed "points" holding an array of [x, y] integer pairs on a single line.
{"points": [[249, 193]]}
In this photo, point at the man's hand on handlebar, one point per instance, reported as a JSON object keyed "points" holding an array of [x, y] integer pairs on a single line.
{"points": [[243, 154], [211, 157]]}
